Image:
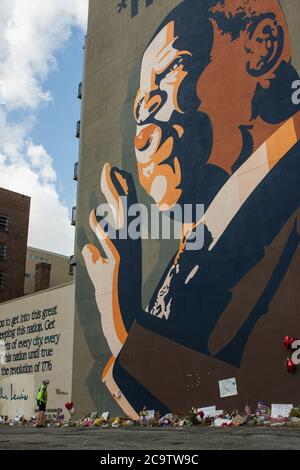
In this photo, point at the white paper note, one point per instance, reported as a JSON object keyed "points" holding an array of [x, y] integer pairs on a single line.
{"points": [[228, 388], [282, 411], [209, 411], [105, 416]]}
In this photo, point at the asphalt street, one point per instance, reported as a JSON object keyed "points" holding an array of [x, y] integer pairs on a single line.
{"points": [[196, 438]]}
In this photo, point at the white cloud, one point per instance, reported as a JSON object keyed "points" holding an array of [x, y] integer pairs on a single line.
{"points": [[49, 219], [31, 33], [41, 161], [12, 135]]}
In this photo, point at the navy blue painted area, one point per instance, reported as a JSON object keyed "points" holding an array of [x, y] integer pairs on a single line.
{"points": [[196, 308], [123, 4], [135, 6], [137, 395]]}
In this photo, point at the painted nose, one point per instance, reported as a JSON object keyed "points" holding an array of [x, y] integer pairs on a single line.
{"points": [[147, 106]]}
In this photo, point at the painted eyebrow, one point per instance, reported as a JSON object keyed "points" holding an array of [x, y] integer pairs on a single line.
{"points": [[170, 43], [167, 46], [179, 54]]}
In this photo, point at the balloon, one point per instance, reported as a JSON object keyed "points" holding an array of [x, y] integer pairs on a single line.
{"points": [[69, 406], [288, 341], [290, 366]]}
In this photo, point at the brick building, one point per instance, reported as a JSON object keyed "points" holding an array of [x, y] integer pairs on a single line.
{"points": [[14, 220], [46, 270]]}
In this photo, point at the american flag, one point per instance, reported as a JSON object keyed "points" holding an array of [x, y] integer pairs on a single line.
{"points": [[248, 410], [262, 408]]}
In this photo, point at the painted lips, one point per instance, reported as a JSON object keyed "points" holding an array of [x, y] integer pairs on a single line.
{"points": [[147, 142], [150, 147], [157, 177]]}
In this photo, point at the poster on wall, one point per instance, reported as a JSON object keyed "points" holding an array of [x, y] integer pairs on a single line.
{"points": [[209, 112]]}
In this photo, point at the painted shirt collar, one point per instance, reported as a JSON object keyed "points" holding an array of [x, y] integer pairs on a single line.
{"points": [[246, 179]]}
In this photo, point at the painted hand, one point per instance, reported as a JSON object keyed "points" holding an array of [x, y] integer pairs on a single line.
{"points": [[115, 266]]}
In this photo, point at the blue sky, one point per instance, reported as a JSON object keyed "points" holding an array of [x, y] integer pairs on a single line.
{"points": [[41, 65], [56, 121]]}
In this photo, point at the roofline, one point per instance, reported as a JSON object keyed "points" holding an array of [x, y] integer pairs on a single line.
{"points": [[15, 192], [37, 293], [47, 252]]}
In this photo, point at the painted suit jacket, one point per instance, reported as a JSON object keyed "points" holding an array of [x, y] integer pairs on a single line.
{"points": [[230, 319]]}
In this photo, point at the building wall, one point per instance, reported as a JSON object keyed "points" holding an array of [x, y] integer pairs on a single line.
{"points": [[222, 313], [60, 268], [36, 339], [16, 207]]}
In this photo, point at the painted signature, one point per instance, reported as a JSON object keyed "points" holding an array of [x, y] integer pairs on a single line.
{"points": [[12, 396]]}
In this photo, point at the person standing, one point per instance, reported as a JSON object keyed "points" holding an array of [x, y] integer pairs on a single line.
{"points": [[42, 398]]}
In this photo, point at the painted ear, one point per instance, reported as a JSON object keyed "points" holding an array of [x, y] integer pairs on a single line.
{"points": [[264, 47]]}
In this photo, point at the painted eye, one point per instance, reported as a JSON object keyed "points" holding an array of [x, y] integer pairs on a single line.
{"points": [[179, 61], [175, 65]]}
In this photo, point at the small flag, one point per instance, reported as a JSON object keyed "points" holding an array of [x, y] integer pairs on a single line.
{"points": [[248, 410], [262, 408]]}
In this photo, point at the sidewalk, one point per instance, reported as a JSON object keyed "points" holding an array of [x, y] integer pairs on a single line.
{"points": [[197, 438]]}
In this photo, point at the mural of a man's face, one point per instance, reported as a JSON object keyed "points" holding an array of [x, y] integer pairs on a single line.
{"points": [[162, 76], [164, 111], [197, 87]]}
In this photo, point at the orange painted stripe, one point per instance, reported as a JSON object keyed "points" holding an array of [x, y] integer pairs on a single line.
{"points": [[118, 321], [117, 317], [297, 125], [107, 368], [281, 142]]}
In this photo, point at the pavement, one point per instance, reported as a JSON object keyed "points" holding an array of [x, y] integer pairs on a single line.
{"points": [[195, 438]]}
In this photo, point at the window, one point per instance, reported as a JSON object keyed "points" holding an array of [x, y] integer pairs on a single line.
{"points": [[2, 280], [2, 251], [41, 259], [4, 220], [29, 276]]}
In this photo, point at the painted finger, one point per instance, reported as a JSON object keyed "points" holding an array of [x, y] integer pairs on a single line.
{"points": [[107, 245], [123, 181], [92, 257], [112, 196]]}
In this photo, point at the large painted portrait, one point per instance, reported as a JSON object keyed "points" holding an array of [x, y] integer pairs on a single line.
{"points": [[216, 125]]}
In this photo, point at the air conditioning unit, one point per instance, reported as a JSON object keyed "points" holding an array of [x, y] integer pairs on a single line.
{"points": [[76, 168], [74, 210], [78, 130], [79, 94]]}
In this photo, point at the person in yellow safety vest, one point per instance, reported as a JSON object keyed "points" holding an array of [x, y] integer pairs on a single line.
{"points": [[42, 397]]}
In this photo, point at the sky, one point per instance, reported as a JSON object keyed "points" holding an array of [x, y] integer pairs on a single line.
{"points": [[41, 65]]}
